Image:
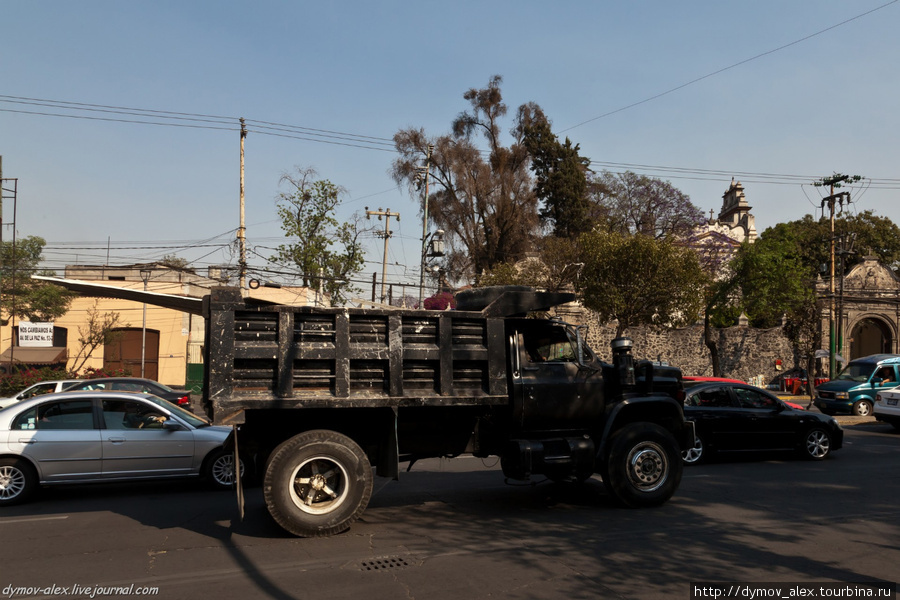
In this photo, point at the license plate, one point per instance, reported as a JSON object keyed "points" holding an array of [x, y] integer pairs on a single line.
{"points": [[892, 402]]}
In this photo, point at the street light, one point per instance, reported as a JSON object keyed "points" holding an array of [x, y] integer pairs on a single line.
{"points": [[145, 276], [432, 247]]}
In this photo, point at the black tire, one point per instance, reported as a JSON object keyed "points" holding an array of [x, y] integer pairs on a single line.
{"points": [[18, 481], [317, 483], [816, 444], [218, 469], [862, 408], [696, 455], [645, 465]]}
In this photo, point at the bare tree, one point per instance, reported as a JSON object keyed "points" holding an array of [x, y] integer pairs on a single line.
{"points": [[98, 330], [632, 203], [483, 200]]}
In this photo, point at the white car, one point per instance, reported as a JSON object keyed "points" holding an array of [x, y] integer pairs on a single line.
{"points": [[92, 437], [44, 387], [887, 406]]}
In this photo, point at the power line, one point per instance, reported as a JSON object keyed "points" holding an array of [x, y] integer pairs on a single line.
{"points": [[722, 70]]}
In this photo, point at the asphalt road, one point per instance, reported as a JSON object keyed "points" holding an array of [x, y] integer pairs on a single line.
{"points": [[452, 529]]}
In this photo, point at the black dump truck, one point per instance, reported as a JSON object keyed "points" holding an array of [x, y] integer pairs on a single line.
{"points": [[323, 395]]}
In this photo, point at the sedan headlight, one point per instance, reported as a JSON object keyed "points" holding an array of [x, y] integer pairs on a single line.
{"points": [[842, 395]]}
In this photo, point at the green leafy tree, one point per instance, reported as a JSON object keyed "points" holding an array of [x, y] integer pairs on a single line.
{"points": [[327, 253], [560, 174], [20, 295], [483, 199], [776, 279], [773, 279], [875, 235], [640, 280]]}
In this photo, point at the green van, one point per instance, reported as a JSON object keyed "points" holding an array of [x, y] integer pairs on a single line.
{"points": [[854, 389]]}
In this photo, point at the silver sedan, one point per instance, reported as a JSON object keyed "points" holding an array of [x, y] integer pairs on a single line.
{"points": [[87, 437]]}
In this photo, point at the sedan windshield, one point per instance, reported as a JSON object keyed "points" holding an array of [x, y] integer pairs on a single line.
{"points": [[184, 415]]}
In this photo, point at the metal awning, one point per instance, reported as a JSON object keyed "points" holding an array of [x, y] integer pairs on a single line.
{"points": [[182, 303], [35, 356]]}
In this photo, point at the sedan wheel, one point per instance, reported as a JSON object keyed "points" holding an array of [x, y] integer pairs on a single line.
{"points": [[817, 444], [693, 456], [863, 408], [220, 469], [18, 481]]}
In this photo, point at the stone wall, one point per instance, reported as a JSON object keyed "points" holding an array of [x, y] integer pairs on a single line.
{"points": [[744, 352]]}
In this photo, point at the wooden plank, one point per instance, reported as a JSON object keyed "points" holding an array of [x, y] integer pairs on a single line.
{"points": [[286, 352]]}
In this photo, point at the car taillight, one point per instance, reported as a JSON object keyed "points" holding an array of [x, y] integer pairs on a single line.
{"points": [[184, 400]]}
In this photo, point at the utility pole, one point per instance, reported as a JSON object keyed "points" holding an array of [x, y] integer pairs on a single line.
{"points": [[833, 182], [844, 251], [242, 240], [420, 173], [387, 234]]}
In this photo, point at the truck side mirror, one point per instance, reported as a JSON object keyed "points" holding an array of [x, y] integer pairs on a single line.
{"points": [[579, 347]]}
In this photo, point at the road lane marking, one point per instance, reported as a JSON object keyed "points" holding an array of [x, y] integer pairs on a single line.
{"points": [[31, 519]]}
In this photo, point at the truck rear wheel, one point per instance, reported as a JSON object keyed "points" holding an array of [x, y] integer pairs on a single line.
{"points": [[317, 483], [645, 465]]}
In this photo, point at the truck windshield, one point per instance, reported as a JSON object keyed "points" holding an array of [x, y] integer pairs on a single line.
{"points": [[858, 372]]}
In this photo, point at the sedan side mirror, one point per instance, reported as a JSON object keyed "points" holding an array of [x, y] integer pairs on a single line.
{"points": [[172, 425]]}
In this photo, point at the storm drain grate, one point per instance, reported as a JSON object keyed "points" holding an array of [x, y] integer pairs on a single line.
{"points": [[384, 563]]}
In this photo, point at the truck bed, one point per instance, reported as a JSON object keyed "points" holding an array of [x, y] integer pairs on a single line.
{"points": [[304, 357]]}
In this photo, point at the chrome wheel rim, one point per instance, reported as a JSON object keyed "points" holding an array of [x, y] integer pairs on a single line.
{"points": [[692, 455], [320, 485], [648, 466], [818, 444], [223, 469], [12, 482]]}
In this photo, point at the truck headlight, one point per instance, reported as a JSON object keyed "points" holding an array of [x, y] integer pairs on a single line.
{"points": [[842, 396]]}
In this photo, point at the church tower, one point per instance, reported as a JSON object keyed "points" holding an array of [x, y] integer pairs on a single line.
{"points": [[735, 214]]}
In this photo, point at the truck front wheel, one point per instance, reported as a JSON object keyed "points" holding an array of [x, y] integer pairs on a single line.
{"points": [[645, 465], [317, 483]]}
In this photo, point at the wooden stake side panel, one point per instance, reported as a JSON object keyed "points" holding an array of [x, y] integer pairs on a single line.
{"points": [[285, 357]]}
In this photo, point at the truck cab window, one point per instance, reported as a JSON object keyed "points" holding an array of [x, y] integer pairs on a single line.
{"points": [[551, 345]]}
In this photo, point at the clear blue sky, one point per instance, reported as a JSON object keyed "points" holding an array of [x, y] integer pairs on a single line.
{"points": [[767, 101]]}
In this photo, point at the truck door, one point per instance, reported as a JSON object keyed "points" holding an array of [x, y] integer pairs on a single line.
{"points": [[551, 391]]}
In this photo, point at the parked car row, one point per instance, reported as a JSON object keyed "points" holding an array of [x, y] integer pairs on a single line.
{"points": [[93, 436], [124, 428], [118, 384]]}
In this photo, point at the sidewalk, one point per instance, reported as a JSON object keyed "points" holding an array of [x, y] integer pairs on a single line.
{"points": [[842, 419]]}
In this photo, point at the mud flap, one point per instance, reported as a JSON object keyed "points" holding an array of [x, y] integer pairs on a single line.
{"points": [[232, 440], [389, 460]]}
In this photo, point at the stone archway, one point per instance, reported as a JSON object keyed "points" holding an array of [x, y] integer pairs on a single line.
{"points": [[870, 336]]}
